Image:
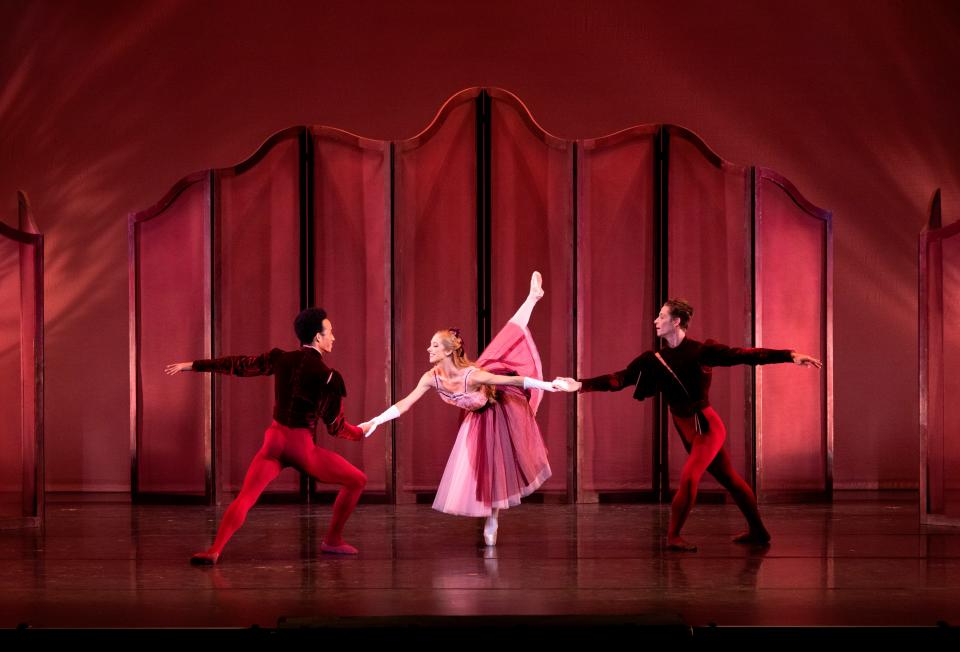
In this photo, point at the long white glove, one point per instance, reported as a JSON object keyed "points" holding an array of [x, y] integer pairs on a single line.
{"points": [[390, 413], [539, 384]]}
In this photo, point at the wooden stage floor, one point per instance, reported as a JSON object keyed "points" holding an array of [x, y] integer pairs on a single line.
{"points": [[113, 564]]}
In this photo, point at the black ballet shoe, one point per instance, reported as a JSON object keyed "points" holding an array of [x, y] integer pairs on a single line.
{"points": [[750, 538], [205, 559]]}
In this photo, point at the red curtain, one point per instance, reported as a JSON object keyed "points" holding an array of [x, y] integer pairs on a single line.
{"points": [[792, 299], [173, 299], [531, 189], [435, 278], [708, 259], [615, 261], [351, 241], [258, 293]]}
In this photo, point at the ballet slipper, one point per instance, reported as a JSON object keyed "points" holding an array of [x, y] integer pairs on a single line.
{"points": [[342, 549], [679, 544], [536, 286], [490, 531]]}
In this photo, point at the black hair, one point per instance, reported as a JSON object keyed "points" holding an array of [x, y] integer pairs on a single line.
{"points": [[308, 323]]}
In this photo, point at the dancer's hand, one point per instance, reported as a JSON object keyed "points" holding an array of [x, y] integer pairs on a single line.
{"points": [[560, 385], [565, 384], [177, 368], [367, 427], [805, 360]]}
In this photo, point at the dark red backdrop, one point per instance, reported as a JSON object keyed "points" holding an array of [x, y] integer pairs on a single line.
{"points": [[104, 106]]}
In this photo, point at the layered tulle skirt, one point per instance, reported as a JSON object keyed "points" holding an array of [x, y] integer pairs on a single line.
{"points": [[499, 456]]}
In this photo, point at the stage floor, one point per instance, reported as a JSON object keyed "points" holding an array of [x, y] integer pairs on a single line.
{"points": [[113, 564]]}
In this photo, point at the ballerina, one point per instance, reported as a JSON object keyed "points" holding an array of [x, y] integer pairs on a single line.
{"points": [[499, 456]]}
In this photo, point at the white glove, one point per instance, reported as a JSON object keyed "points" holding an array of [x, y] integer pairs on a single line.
{"points": [[539, 384], [390, 413]]}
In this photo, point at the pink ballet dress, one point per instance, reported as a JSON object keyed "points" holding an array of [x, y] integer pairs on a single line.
{"points": [[499, 455]]}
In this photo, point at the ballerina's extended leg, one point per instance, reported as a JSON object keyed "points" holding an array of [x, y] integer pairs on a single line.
{"points": [[522, 316]]}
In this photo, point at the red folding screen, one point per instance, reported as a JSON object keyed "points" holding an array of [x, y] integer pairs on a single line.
{"points": [[351, 252], [397, 240], [708, 263], [615, 308], [256, 293], [794, 299], [170, 321], [939, 379], [11, 436], [21, 372], [435, 277], [532, 228]]}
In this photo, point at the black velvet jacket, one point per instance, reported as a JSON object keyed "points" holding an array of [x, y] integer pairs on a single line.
{"points": [[305, 389], [692, 362]]}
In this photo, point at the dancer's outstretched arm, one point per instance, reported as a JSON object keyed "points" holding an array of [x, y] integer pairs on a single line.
{"points": [[237, 365], [715, 354], [401, 406], [481, 377], [619, 380]]}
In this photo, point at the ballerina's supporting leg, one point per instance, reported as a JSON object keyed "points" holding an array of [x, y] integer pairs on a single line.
{"points": [[490, 528]]}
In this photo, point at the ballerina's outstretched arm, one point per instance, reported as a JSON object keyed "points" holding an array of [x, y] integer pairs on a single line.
{"points": [[481, 377], [401, 406]]}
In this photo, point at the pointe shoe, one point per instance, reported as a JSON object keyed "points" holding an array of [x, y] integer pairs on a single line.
{"points": [[342, 549], [205, 558], [490, 532], [536, 286]]}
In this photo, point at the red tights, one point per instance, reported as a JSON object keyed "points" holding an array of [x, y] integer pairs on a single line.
{"points": [[708, 454], [283, 446]]}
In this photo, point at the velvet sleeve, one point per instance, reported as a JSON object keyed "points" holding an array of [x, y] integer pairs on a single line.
{"points": [[714, 354], [240, 365], [332, 410], [616, 381]]}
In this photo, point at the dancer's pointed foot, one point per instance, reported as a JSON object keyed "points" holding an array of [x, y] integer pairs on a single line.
{"points": [[490, 531], [536, 286], [680, 544], [207, 558], [343, 548], [753, 538]]}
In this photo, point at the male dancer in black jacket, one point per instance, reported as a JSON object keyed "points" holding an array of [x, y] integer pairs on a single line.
{"points": [[306, 391], [682, 371]]}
